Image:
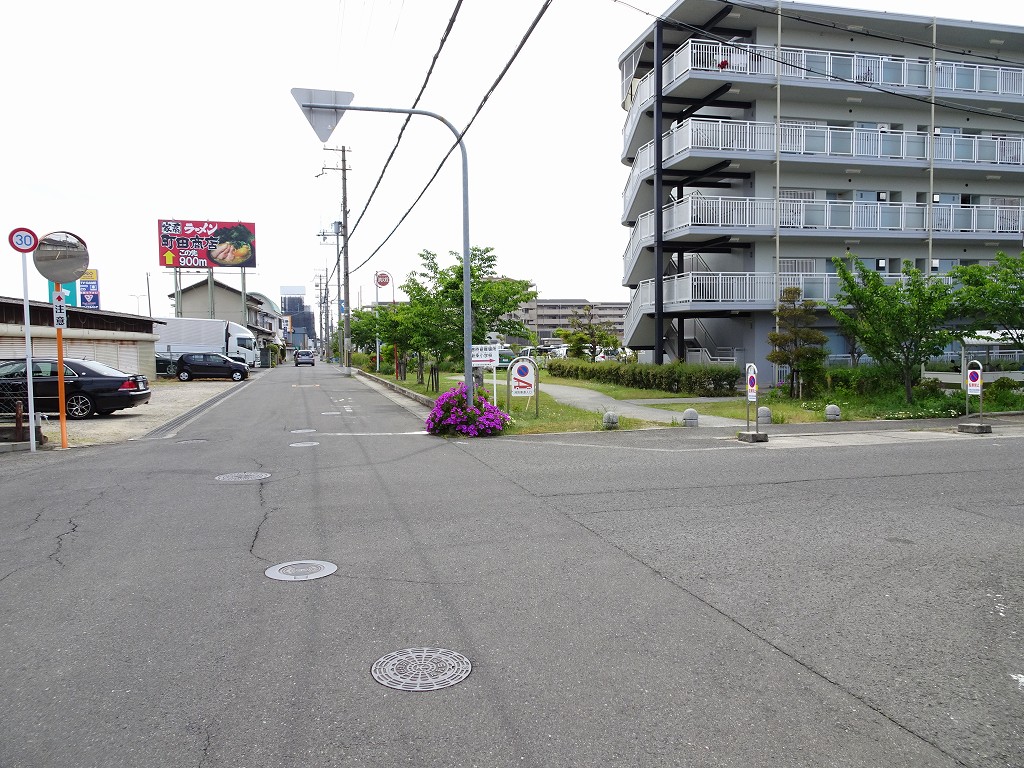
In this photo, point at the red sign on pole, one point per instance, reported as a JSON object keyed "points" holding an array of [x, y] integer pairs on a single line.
{"points": [[383, 278], [206, 244]]}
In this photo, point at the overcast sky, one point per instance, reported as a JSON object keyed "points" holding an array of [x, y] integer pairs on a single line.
{"points": [[118, 114]]}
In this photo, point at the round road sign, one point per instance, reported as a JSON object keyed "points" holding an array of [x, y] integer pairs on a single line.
{"points": [[383, 278], [23, 240]]}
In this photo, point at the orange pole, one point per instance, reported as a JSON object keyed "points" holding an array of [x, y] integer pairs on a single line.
{"points": [[60, 382]]}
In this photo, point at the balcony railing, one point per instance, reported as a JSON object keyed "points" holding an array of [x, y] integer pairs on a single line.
{"points": [[812, 65], [736, 290], [841, 143]]}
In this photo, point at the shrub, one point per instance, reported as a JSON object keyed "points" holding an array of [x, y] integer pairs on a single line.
{"points": [[452, 415], [700, 380]]}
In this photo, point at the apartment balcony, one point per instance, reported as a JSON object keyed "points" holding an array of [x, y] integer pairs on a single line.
{"points": [[696, 217], [757, 63], [695, 142], [713, 294]]}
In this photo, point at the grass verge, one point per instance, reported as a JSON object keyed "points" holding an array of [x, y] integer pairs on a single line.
{"points": [[553, 417]]}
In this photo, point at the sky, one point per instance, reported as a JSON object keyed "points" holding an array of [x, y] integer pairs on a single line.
{"points": [[118, 114]]}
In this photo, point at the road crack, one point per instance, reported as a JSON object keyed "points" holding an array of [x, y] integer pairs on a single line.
{"points": [[55, 555]]}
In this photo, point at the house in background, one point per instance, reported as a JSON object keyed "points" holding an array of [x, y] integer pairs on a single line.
{"points": [[262, 316], [772, 139]]}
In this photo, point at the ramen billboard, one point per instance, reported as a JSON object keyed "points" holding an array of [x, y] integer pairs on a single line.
{"points": [[207, 244]]}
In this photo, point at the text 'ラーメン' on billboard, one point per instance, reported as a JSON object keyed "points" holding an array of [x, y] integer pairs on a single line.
{"points": [[203, 244]]}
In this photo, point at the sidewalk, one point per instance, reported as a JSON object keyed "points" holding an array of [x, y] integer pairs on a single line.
{"points": [[589, 400]]}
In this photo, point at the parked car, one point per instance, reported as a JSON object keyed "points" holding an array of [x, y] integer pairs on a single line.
{"points": [[89, 387], [505, 356], [165, 363], [304, 357], [210, 365]]}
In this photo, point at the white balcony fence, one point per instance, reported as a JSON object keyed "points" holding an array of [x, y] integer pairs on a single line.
{"points": [[744, 213], [732, 136], [814, 65], [737, 290]]}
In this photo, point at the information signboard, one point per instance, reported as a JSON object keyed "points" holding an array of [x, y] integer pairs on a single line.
{"points": [[485, 355]]}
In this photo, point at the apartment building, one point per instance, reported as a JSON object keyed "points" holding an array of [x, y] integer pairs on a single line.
{"points": [[775, 137], [545, 316]]}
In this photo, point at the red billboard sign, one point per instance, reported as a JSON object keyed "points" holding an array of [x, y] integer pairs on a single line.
{"points": [[206, 244]]}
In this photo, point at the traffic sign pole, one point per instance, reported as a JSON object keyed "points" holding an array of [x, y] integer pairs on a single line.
{"points": [[751, 377], [60, 319], [974, 387], [25, 241]]}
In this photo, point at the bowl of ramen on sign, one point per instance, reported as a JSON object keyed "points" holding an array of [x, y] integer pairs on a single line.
{"points": [[236, 246]]}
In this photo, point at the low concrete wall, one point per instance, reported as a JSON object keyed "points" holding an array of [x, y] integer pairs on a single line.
{"points": [[396, 387]]}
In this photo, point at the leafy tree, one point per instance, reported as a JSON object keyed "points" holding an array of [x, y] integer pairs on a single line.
{"points": [[797, 343], [992, 296], [901, 324], [363, 326], [586, 334], [435, 315]]}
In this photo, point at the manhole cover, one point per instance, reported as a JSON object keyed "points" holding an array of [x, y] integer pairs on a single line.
{"points": [[301, 570], [421, 669], [241, 477], [300, 431], [189, 442], [302, 445]]}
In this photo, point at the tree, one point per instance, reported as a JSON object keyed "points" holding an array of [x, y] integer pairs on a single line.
{"points": [[586, 334], [797, 343], [435, 315], [900, 324], [992, 296]]}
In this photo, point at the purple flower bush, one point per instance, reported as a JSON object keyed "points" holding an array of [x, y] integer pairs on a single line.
{"points": [[452, 416]]}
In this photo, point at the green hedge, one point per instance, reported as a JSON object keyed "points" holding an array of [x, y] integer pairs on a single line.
{"points": [[698, 380]]}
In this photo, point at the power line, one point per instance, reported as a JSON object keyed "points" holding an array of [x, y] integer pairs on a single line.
{"points": [[480, 106], [401, 132]]}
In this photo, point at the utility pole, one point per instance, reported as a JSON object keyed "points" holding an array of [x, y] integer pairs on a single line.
{"points": [[340, 229], [347, 357]]}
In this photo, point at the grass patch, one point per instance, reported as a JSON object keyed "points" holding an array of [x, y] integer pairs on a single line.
{"points": [[554, 416]]}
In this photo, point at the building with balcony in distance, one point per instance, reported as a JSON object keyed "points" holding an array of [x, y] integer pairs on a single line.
{"points": [[545, 316], [775, 137]]}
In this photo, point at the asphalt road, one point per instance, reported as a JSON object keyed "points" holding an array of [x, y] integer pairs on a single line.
{"points": [[653, 598]]}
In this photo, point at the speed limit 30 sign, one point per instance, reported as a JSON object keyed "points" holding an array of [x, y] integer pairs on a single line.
{"points": [[23, 240]]}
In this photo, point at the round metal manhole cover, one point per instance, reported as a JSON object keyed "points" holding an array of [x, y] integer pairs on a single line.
{"points": [[421, 669], [241, 477], [301, 570], [302, 445], [301, 431]]}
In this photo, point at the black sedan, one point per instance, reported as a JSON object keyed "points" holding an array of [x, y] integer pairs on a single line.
{"points": [[209, 365], [89, 387]]}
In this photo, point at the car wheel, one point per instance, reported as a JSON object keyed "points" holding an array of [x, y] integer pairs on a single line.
{"points": [[236, 376], [79, 406], [184, 375], [172, 370]]}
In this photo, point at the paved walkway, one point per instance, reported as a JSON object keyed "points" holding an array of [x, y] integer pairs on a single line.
{"points": [[589, 400]]}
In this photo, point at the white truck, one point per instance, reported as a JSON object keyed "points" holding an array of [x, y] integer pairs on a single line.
{"points": [[178, 335]]}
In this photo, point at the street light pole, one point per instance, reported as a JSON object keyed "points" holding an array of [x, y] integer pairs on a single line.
{"points": [[316, 103]]}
